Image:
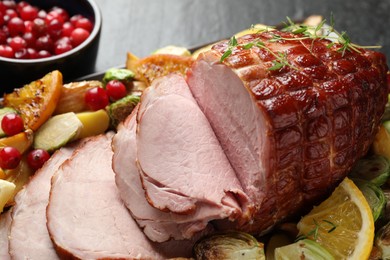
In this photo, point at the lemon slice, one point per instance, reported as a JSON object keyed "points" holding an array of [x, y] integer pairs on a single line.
{"points": [[343, 224]]}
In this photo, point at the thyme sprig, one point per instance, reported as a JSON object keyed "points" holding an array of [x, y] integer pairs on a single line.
{"points": [[314, 232], [302, 32], [280, 57]]}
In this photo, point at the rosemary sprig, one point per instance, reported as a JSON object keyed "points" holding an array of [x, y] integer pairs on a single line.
{"points": [[314, 232], [280, 58], [302, 32]]}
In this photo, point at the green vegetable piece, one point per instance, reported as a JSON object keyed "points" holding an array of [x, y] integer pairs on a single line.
{"points": [[303, 249], [382, 241], [57, 132], [123, 75], [3, 112], [386, 114], [119, 110], [386, 124], [229, 245], [374, 196], [375, 169]]}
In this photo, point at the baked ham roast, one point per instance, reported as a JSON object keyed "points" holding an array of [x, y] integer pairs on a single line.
{"points": [[5, 224], [291, 133]]}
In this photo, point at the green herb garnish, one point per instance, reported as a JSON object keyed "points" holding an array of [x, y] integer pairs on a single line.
{"points": [[302, 32], [314, 232]]}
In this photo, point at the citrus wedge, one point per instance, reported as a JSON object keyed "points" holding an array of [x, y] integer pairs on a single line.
{"points": [[36, 101], [157, 65], [343, 224]]}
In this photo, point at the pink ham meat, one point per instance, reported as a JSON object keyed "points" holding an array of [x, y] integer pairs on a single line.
{"points": [[157, 225], [290, 134], [29, 238], [183, 168], [86, 218], [5, 224]]}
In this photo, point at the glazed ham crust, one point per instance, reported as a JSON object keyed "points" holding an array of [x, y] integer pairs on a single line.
{"points": [[290, 134]]}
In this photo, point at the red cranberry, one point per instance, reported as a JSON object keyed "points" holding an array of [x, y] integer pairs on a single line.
{"points": [[96, 98], [67, 29], [30, 39], [44, 54], [6, 51], [16, 26], [3, 37], [53, 15], [62, 45], [12, 124], [116, 89], [36, 158], [44, 43], [28, 25], [39, 26], [3, 8], [54, 28], [9, 4], [78, 36], [20, 5], [17, 43], [62, 12], [42, 14], [9, 157], [22, 54], [28, 13], [75, 18], [2, 21], [9, 14], [84, 23], [32, 53]]}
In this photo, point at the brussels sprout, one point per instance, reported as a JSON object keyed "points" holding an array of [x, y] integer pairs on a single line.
{"points": [[374, 196], [119, 110], [229, 245], [123, 75], [375, 169], [382, 241], [303, 249]]}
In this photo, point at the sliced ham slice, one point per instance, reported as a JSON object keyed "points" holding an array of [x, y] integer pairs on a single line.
{"points": [[182, 165], [29, 238], [182, 171], [5, 224], [159, 226], [86, 218]]}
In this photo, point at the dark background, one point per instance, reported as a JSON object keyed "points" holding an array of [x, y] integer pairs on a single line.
{"points": [[142, 26]]}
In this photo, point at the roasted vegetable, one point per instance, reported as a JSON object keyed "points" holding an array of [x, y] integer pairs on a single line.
{"points": [[302, 249], [58, 131], [277, 240], [19, 176], [382, 241], [375, 169], [123, 75], [229, 245], [6, 192], [157, 65], [72, 96], [374, 196], [175, 50], [119, 110], [381, 144], [94, 122], [21, 141], [36, 101]]}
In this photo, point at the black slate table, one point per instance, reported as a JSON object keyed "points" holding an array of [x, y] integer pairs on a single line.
{"points": [[142, 26]]}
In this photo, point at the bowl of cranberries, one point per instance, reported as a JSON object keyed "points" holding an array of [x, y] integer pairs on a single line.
{"points": [[39, 36]]}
